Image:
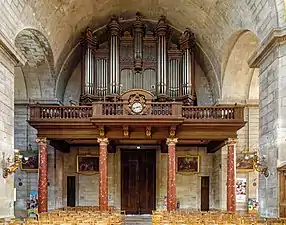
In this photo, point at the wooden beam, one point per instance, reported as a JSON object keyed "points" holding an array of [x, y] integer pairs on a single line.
{"points": [[214, 146], [60, 145]]}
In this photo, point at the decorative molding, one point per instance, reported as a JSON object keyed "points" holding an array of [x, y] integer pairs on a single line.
{"points": [[125, 131], [275, 37], [102, 141], [38, 101], [231, 141], [172, 132], [101, 131], [148, 131], [10, 51], [238, 102], [42, 140], [172, 141]]}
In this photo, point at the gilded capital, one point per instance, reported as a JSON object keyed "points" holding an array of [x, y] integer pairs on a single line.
{"points": [[102, 141], [172, 141], [42, 140], [231, 141]]}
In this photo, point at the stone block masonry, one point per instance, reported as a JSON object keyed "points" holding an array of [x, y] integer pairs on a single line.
{"points": [[6, 130]]}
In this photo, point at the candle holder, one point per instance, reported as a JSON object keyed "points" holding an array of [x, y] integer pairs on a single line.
{"points": [[10, 166], [258, 163]]}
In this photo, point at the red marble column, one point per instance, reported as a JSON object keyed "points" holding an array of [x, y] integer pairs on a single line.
{"points": [[231, 176], [171, 192], [103, 184], [43, 175]]}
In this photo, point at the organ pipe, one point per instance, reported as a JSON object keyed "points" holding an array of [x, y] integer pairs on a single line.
{"points": [[114, 31], [161, 33], [187, 45], [174, 56], [89, 46], [138, 42]]}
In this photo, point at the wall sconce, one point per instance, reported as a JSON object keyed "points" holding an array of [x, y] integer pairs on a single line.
{"points": [[10, 166], [258, 164]]}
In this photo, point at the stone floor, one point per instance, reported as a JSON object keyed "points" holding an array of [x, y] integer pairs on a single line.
{"points": [[138, 220]]}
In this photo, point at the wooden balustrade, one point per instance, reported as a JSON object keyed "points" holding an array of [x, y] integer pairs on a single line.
{"points": [[60, 112], [212, 113], [118, 109]]}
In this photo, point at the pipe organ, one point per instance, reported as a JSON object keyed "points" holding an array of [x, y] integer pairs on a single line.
{"points": [[138, 54]]}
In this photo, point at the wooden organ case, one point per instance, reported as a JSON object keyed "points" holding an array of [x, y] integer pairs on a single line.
{"points": [[138, 54]]}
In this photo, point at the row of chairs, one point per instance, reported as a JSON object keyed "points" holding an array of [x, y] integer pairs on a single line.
{"points": [[73, 216], [209, 218]]}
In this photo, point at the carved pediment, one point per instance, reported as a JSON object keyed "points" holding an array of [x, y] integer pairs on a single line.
{"points": [[137, 102]]}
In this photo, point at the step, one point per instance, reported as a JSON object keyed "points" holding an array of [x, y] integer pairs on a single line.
{"points": [[138, 220]]}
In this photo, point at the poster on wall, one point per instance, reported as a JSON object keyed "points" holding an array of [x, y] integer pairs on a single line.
{"points": [[32, 204], [240, 189]]}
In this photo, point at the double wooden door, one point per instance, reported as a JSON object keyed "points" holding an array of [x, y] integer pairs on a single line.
{"points": [[138, 181]]}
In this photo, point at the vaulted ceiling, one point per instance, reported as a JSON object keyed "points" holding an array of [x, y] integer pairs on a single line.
{"points": [[213, 21]]}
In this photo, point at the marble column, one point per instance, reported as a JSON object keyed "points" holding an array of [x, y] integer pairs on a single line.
{"points": [[103, 185], [231, 178], [43, 175], [171, 191]]}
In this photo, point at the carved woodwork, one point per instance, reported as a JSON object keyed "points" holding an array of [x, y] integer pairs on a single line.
{"points": [[187, 45], [101, 131], [172, 132], [138, 54], [125, 131], [89, 45], [148, 131]]}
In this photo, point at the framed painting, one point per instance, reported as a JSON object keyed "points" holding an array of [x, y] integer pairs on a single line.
{"points": [[87, 164], [243, 164], [30, 163], [188, 164]]}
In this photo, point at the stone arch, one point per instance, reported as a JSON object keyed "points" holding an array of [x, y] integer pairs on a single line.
{"points": [[239, 81], [38, 72]]}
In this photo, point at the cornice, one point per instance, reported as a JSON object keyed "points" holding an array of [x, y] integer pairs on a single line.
{"points": [[244, 103], [10, 52], [275, 37], [37, 101]]}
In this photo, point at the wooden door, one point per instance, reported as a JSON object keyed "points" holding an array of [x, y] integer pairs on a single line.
{"points": [[205, 186], [282, 197], [71, 191], [138, 181]]}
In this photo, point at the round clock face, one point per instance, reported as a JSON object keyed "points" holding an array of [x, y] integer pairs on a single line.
{"points": [[137, 107]]}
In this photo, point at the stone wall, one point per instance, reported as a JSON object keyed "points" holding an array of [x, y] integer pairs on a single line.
{"points": [[248, 138], [188, 186], [6, 131], [272, 125]]}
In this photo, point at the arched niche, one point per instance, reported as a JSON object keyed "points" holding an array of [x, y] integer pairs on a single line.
{"points": [[239, 81], [38, 72]]}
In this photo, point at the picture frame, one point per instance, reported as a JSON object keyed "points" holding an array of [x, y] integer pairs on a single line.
{"points": [[32, 164], [188, 164], [244, 165], [87, 164]]}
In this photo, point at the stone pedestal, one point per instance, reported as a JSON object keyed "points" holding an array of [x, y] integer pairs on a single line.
{"points": [[103, 185], [231, 178], [171, 191], [43, 175]]}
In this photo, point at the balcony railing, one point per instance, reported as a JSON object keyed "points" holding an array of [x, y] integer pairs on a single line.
{"points": [[155, 109], [60, 112]]}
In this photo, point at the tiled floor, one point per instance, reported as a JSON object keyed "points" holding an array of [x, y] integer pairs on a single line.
{"points": [[138, 220]]}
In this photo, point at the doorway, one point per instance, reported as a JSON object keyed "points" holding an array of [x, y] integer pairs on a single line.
{"points": [[138, 181], [71, 191], [205, 186]]}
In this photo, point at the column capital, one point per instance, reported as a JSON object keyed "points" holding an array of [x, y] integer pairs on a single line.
{"points": [[231, 141], [102, 141], [42, 140], [172, 141]]}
